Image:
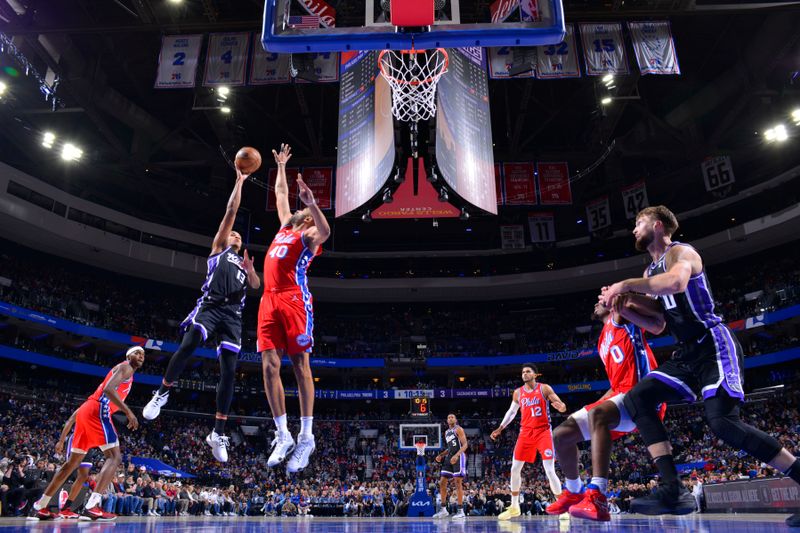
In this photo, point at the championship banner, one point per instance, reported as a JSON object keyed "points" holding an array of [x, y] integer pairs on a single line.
{"points": [[503, 59], [717, 172], [542, 226], [226, 59], [559, 60], [519, 186], [498, 183], [320, 181], [177, 62], [553, 183], [266, 67], [654, 47], [604, 49], [326, 67], [634, 198], [272, 201], [599, 214], [512, 237]]}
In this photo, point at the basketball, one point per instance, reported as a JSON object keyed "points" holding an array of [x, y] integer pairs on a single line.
{"points": [[248, 160]]}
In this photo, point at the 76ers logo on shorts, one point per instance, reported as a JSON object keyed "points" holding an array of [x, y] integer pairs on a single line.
{"points": [[303, 340], [548, 454]]}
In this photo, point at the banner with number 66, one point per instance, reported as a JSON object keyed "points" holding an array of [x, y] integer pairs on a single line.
{"points": [[542, 226], [717, 172], [177, 62], [634, 198], [226, 59]]}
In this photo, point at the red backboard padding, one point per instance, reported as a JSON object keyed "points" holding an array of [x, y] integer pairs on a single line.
{"points": [[412, 13]]}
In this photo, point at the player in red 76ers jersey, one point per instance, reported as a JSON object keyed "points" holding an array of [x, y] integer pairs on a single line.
{"points": [[95, 429], [535, 434], [627, 358], [286, 313]]}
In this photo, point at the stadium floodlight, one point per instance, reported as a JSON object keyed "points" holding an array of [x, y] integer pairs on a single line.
{"points": [[780, 133], [223, 90], [796, 116], [70, 152], [3, 88], [606, 100], [225, 109], [48, 138], [608, 78]]}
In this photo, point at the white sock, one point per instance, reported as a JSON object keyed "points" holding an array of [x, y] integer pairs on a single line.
{"points": [[575, 486], [601, 483], [42, 502], [515, 500], [280, 424], [305, 426], [94, 500]]}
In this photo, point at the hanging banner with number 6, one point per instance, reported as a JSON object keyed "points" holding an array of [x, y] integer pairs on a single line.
{"points": [[558, 60], [634, 198], [717, 172], [604, 49], [226, 59], [542, 226], [177, 62], [598, 213]]}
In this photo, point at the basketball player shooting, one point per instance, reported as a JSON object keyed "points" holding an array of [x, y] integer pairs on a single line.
{"points": [[286, 314], [95, 429], [218, 313], [535, 434], [454, 466], [627, 358], [707, 363]]}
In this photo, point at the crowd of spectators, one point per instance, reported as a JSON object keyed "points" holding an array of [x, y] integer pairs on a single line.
{"points": [[350, 473]]}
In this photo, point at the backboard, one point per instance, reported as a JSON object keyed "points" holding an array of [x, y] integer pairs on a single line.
{"points": [[410, 434]]}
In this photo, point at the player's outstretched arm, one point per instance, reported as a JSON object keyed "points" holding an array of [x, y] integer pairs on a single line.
{"points": [[509, 416], [226, 226], [121, 372], [281, 185], [65, 431], [252, 276], [625, 309], [318, 234], [553, 398]]}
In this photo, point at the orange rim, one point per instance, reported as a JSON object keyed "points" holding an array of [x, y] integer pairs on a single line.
{"points": [[413, 51]]}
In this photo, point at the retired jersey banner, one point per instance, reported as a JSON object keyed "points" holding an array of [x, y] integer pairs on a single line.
{"points": [[553, 183], [503, 59], [512, 237], [519, 185], [320, 181], [717, 172], [654, 47], [177, 62], [634, 198], [599, 214], [326, 67], [291, 174], [226, 59], [498, 183], [559, 60], [542, 226], [604, 49], [266, 67]]}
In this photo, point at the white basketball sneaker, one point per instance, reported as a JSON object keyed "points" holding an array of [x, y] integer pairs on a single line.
{"points": [[299, 459], [219, 446], [459, 515], [443, 513], [281, 446], [153, 407]]}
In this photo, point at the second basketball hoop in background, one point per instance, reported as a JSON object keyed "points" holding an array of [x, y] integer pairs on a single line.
{"points": [[413, 76]]}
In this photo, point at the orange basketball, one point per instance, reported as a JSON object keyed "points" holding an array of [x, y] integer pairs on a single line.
{"points": [[248, 160]]}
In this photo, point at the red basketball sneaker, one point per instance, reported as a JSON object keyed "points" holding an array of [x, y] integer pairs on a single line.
{"points": [[565, 500], [41, 514], [97, 513], [594, 506], [68, 514]]}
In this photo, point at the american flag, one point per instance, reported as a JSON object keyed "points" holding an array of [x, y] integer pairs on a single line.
{"points": [[304, 22]]}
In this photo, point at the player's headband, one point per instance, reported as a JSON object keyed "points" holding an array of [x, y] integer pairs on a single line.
{"points": [[133, 349]]}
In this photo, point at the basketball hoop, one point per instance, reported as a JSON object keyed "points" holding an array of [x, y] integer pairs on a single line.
{"points": [[413, 76], [420, 446]]}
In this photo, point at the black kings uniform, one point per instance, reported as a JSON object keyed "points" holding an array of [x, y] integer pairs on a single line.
{"points": [[709, 357], [219, 310], [453, 445]]}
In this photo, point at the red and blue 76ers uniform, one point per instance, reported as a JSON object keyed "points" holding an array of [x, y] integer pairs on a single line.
{"points": [[535, 434], [93, 425], [627, 359], [286, 312]]}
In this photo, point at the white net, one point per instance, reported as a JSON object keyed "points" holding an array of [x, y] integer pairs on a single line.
{"points": [[413, 75]]}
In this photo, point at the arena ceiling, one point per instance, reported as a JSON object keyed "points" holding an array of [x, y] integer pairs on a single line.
{"points": [[158, 153]]}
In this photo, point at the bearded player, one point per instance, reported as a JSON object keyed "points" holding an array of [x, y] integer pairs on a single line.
{"points": [[627, 358], [535, 434], [94, 429], [286, 314], [707, 363]]}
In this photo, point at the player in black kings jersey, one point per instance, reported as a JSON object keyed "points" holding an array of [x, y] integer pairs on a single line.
{"points": [[707, 363], [218, 313], [454, 465]]}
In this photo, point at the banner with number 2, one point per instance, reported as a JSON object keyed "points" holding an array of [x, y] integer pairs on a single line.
{"points": [[177, 62]]}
